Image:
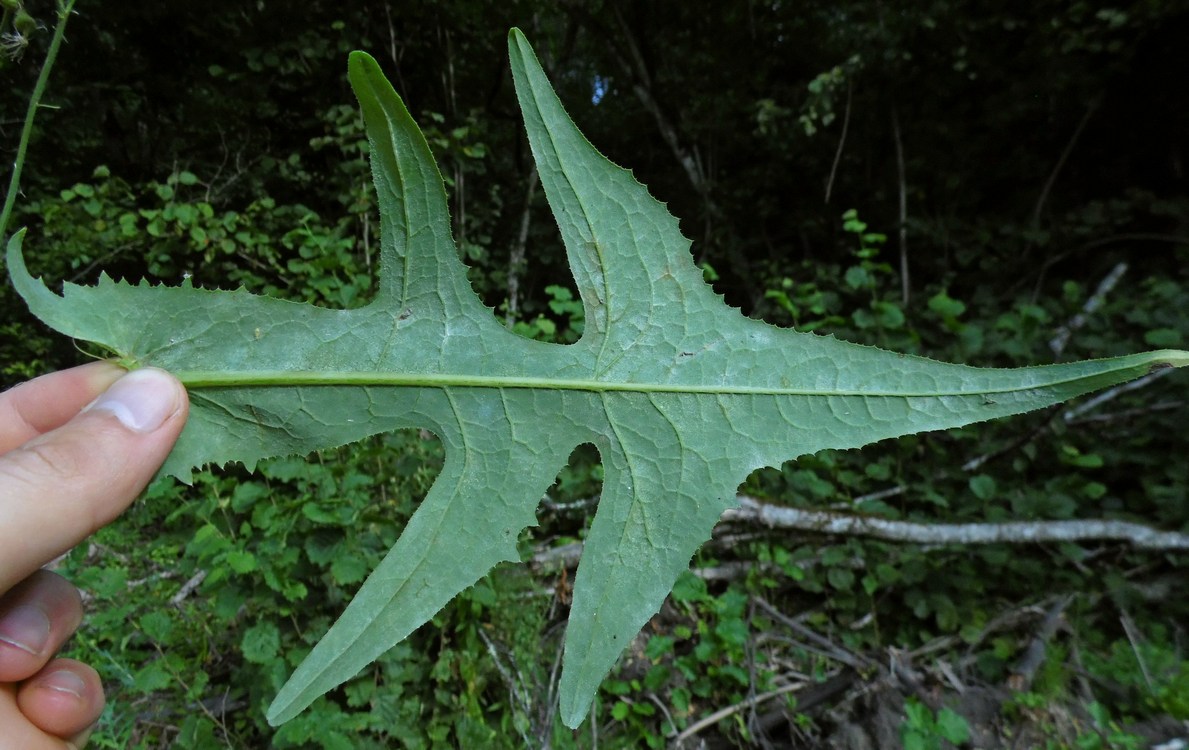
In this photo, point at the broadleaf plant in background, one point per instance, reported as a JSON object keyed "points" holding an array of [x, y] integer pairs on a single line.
{"points": [[682, 395]]}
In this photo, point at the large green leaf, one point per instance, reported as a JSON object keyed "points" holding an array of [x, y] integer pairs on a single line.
{"points": [[682, 395]]}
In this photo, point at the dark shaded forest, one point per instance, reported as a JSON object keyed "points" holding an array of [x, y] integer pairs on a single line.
{"points": [[998, 184]]}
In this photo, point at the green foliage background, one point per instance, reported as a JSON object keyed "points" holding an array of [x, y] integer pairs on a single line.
{"points": [[1043, 144]]}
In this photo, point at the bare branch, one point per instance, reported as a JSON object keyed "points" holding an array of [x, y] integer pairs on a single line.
{"points": [[188, 588], [568, 555], [832, 650], [754, 511], [1127, 413], [1058, 342], [624, 47], [636, 69], [841, 141], [1091, 108], [879, 495], [1134, 639], [565, 556], [723, 713], [1034, 655], [1074, 414], [751, 510], [516, 258], [1113, 239], [516, 687], [902, 230]]}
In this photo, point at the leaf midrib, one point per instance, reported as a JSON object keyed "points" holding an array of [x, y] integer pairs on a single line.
{"points": [[277, 378]]}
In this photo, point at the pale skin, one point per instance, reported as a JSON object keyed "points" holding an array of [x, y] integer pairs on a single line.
{"points": [[76, 448]]}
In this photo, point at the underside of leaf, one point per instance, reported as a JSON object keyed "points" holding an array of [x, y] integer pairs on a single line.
{"points": [[682, 395]]}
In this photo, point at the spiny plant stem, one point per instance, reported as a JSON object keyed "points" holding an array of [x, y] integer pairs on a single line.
{"points": [[14, 181]]}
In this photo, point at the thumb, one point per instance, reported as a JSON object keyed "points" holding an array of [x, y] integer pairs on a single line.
{"points": [[61, 486]]}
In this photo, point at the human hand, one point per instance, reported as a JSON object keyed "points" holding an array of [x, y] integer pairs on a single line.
{"points": [[64, 473]]}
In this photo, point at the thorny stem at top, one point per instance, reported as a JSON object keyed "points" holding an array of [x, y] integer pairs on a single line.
{"points": [[14, 181]]}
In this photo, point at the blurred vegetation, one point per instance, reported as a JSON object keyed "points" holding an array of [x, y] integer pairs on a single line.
{"points": [[1008, 156]]}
